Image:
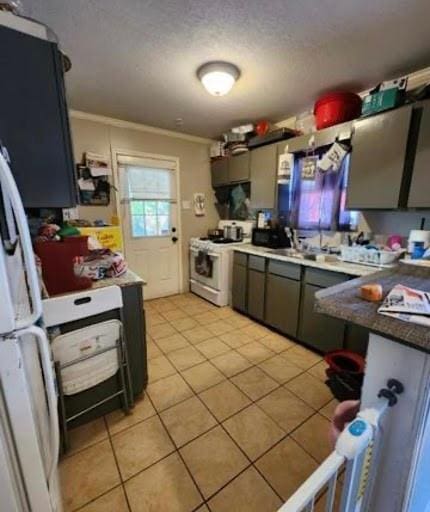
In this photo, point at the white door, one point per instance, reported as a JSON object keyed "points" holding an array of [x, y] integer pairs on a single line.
{"points": [[149, 217]]}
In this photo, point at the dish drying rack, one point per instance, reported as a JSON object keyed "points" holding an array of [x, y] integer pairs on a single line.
{"points": [[372, 257]]}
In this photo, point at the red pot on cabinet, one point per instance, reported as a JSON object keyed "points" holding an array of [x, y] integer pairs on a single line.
{"points": [[335, 108]]}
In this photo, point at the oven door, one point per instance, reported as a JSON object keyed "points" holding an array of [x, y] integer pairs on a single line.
{"points": [[209, 273]]}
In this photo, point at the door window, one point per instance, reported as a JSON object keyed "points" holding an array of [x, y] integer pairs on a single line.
{"points": [[149, 218], [149, 192]]}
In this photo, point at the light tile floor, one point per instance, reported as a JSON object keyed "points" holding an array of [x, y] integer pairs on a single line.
{"points": [[235, 418]]}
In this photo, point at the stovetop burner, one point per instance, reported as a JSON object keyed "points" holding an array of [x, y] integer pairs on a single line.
{"points": [[219, 240], [225, 241]]}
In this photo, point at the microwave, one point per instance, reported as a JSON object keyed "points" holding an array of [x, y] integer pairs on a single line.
{"points": [[274, 238]]}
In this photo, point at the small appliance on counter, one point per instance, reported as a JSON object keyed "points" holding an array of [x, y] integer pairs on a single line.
{"points": [[273, 238], [233, 232]]}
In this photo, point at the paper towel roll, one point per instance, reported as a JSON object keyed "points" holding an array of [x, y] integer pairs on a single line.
{"points": [[418, 235]]}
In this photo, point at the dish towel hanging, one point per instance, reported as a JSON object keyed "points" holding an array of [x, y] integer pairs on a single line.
{"points": [[204, 264]]}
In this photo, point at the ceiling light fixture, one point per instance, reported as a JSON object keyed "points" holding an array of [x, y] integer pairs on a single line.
{"points": [[218, 77]]}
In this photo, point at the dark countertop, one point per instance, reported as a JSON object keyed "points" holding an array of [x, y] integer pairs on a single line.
{"points": [[343, 301]]}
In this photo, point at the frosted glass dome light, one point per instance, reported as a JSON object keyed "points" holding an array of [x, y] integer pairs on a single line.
{"points": [[218, 78]]}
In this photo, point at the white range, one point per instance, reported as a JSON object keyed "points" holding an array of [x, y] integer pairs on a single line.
{"points": [[211, 265]]}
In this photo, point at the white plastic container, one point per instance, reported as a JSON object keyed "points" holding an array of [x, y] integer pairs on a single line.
{"points": [[372, 257]]}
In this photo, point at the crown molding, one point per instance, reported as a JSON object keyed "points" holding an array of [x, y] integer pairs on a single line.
{"points": [[119, 123]]}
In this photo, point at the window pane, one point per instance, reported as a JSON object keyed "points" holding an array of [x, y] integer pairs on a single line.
{"points": [[150, 207], [163, 208], [151, 225], [137, 225], [136, 207], [163, 225]]}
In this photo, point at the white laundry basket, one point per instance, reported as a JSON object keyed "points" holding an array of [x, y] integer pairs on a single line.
{"points": [[81, 347]]}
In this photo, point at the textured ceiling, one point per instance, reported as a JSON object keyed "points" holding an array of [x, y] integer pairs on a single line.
{"points": [[136, 59]]}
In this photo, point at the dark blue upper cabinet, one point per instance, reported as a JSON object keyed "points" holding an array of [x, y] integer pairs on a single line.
{"points": [[34, 122]]}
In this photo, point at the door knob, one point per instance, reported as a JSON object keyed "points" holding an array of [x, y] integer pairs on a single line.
{"points": [[174, 239]]}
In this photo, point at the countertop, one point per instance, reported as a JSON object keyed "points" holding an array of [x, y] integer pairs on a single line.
{"points": [[343, 301], [352, 269], [128, 279]]}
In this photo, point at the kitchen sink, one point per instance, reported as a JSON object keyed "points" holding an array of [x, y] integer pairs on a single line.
{"points": [[292, 253]]}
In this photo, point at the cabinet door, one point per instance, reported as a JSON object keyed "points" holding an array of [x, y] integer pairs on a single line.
{"points": [[318, 331], [239, 168], [239, 287], [263, 177], [256, 291], [282, 304], [34, 120], [419, 196], [378, 157], [219, 171], [356, 339]]}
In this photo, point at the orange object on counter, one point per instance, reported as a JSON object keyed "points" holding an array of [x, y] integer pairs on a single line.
{"points": [[371, 292]]}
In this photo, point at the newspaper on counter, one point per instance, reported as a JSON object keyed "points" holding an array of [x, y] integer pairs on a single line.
{"points": [[407, 304]]}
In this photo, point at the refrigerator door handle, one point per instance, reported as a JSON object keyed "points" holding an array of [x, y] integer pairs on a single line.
{"points": [[51, 394], [10, 191]]}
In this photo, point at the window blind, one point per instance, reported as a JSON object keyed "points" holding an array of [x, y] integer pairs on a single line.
{"points": [[147, 179]]}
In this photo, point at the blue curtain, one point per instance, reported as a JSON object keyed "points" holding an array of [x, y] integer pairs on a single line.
{"points": [[317, 200]]}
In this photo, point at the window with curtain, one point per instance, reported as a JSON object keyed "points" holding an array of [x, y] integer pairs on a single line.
{"points": [[315, 200], [149, 188]]}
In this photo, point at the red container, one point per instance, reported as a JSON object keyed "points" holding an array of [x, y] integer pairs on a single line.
{"points": [[57, 264], [335, 108], [345, 361]]}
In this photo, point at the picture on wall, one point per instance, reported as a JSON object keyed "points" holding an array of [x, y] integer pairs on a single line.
{"points": [[199, 204]]}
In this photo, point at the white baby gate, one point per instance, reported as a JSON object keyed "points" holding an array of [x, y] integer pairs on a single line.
{"points": [[357, 448]]}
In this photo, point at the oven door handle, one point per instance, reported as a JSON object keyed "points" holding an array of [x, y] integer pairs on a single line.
{"points": [[211, 254]]}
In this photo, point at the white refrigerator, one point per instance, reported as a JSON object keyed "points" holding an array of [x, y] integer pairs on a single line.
{"points": [[29, 431]]}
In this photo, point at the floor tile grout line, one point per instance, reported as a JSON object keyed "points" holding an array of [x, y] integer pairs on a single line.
{"points": [[81, 507], [195, 393], [179, 454], [252, 402], [117, 464], [253, 365], [221, 424], [178, 451]]}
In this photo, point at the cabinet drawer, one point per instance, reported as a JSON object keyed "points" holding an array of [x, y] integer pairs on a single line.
{"points": [[280, 268], [239, 258], [324, 278], [257, 263]]}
